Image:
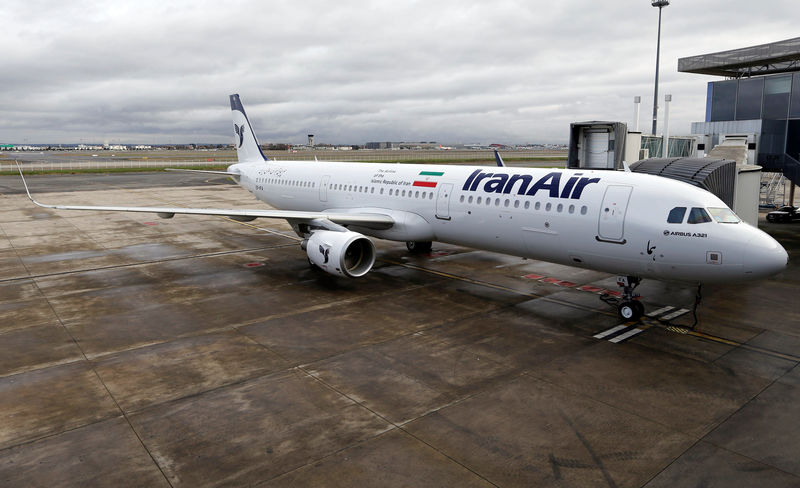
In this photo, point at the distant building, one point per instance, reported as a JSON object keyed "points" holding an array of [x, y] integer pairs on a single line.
{"points": [[760, 99], [379, 145]]}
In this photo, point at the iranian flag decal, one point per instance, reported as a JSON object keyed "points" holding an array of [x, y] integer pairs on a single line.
{"points": [[427, 183]]}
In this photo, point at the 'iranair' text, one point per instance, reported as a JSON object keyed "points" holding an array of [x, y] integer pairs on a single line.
{"points": [[551, 182]]}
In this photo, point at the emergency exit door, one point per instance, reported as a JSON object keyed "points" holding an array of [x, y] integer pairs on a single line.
{"points": [[323, 188]]}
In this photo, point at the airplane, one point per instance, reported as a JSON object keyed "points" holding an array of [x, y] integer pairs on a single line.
{"points": [[629, 224]]}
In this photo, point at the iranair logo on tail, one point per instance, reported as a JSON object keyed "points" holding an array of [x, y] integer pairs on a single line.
{"points": [[239, 129]]}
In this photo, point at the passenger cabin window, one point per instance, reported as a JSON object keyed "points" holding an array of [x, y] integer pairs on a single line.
{"points": [[676, 215], [698, 216]]}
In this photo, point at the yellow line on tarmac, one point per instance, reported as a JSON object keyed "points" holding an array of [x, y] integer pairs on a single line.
{"points": [[722, 340], [748, 347]]}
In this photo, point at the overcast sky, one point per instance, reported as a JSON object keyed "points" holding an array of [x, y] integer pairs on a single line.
{"points": [[508, 71]]}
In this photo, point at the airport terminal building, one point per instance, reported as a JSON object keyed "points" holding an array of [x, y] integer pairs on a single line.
{"points": [[760, 98]]}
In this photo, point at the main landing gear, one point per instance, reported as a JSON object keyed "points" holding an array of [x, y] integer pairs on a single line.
{"points": [[419, 247], [629, 308]]}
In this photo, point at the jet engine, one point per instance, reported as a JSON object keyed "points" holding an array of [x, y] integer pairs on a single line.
{"points": [[347, 254]]}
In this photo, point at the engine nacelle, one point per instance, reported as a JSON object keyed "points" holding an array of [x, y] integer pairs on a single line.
{"points": [[347, 254]]}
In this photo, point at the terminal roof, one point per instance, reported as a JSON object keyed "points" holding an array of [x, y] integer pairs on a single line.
{"points": [[775, 57]]}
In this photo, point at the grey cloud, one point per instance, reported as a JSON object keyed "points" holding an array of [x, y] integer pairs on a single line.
{"points": [[352, 71]]}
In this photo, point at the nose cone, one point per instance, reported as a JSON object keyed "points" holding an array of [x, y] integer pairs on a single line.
{"points": [[764, 257]]}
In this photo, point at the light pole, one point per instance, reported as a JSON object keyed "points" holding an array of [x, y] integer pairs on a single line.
{"points": [[660, 4], [665, 144]]}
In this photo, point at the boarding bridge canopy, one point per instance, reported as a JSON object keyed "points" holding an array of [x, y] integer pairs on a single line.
{"points": [[715, 175], [775, 57]]}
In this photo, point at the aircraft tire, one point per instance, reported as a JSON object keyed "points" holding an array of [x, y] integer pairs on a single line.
{"points": [[419, 247], [630, 310], [639, 308]]}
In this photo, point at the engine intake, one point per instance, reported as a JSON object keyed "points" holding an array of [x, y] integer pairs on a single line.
{"points": [[347, 254]]}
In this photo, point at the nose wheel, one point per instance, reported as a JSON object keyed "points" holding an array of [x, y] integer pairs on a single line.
{"points": [[629, 308], [419, 247]]}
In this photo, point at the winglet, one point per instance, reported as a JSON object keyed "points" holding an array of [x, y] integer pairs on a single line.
{"points": [[498, 159], [25, 184], [626, 167]]}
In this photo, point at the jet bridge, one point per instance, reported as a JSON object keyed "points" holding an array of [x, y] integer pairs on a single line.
{"points": [[715, 175], [597, 145]]}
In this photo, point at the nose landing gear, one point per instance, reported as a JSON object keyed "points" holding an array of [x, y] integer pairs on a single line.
{"points": [[629, 308], [419, 247]]}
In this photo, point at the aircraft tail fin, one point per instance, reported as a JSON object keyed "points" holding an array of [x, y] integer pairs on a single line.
{"points": [[498, 159], [247, 148]]}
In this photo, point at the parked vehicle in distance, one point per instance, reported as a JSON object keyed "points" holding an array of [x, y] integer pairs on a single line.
{"points": [[787, 213]]}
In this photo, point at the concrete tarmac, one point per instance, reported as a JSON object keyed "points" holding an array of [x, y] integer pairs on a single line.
{"points": [[199, 351]]}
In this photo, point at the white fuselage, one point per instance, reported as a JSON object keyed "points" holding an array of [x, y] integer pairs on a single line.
{"points": [[605, 220]]}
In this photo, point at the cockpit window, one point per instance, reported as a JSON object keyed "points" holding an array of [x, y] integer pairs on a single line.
{"points": [[676, 215], [724, 215], [698, 216]]}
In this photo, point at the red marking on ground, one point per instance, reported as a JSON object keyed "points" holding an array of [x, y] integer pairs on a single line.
{"points": [[151, 223], [253, 265], [533, 276], [436, 254], [572, 284]]}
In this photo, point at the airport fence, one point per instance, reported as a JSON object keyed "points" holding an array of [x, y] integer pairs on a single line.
{"points": [[78, 165], [47, 163]]}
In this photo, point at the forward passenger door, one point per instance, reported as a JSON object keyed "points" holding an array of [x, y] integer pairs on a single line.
{"points": [[611, 226]]}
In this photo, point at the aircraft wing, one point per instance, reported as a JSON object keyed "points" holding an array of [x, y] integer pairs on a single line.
{"points": [[370, 220], [227, 173]]}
